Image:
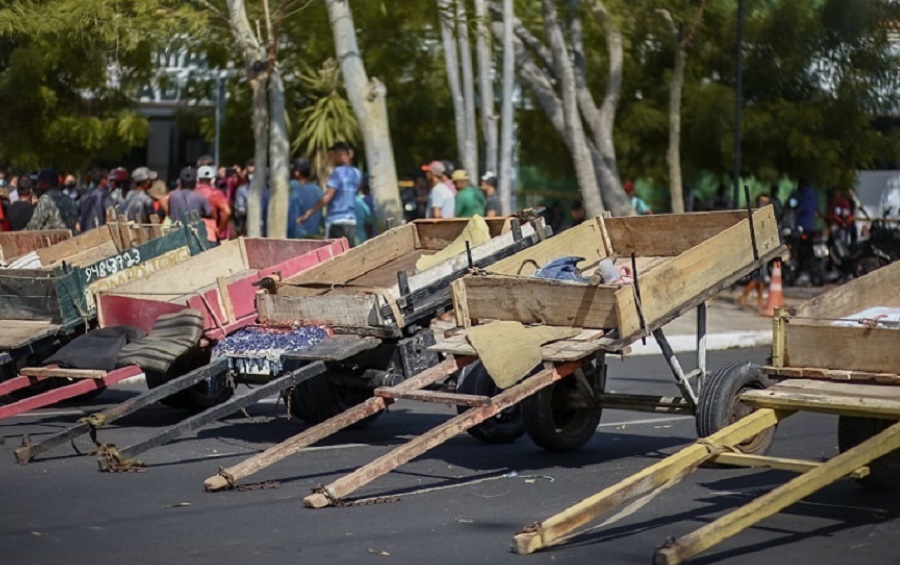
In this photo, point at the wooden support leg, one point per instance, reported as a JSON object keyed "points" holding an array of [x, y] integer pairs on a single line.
{"points": [[228, 477], [773, 502], [68, 391], [229, 407], [26, 453], [412, 449], [673, 468], [18, 383]]}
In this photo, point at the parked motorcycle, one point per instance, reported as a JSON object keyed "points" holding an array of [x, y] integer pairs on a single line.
{"points": [[882, 248]]}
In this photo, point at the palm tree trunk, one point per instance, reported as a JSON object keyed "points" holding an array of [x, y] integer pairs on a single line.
{"points": [[506, 110], [486, 85], [279, 152], [367, 98]]}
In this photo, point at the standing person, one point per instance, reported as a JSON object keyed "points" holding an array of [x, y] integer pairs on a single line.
{"points": [[20, 210], [118, 184], [441, 201], [160, 195], [577, 213], [839, 216], [470, 201], [242, 196], [184, 202], [138, 204], [807, 206], [70, 187], [488, 185], [303, 196], [641, 208], [92, 208], [54, 210], [217, 224], [447, 176], [340, 192], [721, 200]]}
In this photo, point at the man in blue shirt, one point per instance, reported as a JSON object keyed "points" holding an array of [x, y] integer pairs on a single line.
{"points": [[93, 206], [807, 206], [303, 196], [340, 192]]}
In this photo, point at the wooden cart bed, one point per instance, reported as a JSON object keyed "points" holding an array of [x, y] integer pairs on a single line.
{"points": [[219, 283], [819, 340], [375, 287], [682, 261]]}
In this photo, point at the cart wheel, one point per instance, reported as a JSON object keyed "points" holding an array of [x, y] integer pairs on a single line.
{"points": [[552, 422], [318, 399], [720, 403], [199, 397], [866, 265], [884, 472], [505, 427]]}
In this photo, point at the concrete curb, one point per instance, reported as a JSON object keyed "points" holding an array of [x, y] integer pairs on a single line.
{"points": [[714, 342]]}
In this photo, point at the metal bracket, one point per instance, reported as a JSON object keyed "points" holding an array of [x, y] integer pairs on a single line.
{"points": [[681, 380]]}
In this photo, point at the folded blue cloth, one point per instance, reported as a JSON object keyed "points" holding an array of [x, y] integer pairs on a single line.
{"points": [[561, 269]]}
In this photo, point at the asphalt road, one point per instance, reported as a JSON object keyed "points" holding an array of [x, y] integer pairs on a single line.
{"points": [[59, 509]]}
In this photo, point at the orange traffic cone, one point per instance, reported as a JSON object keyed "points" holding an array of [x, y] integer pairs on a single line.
{"points": [[776, 297]]}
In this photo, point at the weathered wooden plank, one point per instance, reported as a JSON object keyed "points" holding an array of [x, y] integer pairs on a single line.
{"points": [[15, 244], [19, 333], [71, 247], [330, 309], [584, 240], [670, 285], [353, 263], [867, 401], [832, 375], [667, 235], [550, 302], [738, 459], [62, 372], [433, 396], [878, 288], [871, 350], [435, 235]]}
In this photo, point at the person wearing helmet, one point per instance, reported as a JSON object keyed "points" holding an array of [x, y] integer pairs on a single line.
{"points": [[217, 225]]}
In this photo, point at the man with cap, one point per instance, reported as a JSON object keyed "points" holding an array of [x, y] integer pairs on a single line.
{"points": [[54, 210], [340, 193], [488, 185], [138, 205], [469, 200], [184, 202], [441, 202], [93, 205], [217, 224], [303, 196]]}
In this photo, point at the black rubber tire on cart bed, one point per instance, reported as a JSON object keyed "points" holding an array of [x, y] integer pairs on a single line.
{"points": [[553, 425], [318, 399], [720, 404], [199, 397], [884, 472], [505, 427]]}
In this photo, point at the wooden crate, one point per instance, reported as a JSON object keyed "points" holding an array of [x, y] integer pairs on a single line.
{"points": [[360, 290], [682, 260], [218, 283], [807, 343]]}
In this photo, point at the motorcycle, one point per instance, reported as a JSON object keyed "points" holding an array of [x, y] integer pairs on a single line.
{"points": [[882, 248]]}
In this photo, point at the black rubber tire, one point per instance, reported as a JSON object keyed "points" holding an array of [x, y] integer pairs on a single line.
{"points": [[866, 265], [720, 404], [505, 427], [198, 397], [553, 425], [884, 472], [318, 399]]}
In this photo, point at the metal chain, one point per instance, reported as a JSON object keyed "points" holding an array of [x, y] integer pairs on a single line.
{"points": [[339, 502]]}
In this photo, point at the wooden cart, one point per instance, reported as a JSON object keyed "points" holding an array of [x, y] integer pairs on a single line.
{"points": [[832, 355], [221, 284], [43, 307], [682, 262]]}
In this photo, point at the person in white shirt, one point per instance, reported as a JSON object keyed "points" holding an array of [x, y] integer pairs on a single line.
{"points": [[441, 201]]}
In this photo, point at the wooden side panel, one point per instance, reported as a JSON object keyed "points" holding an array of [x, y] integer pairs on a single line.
{"points": [[667, 235], [29, 295], [15, 244], [435, 235], [127, 311], [584, 240], [873, 350], [262, 253], [671, 284], [361, 310], [554, 303], [78, 245], [356, 262], [878, 288]]}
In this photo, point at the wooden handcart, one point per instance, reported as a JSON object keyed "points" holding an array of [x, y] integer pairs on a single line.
{"points": [[836, 354], [683, 261], [220, 284]]}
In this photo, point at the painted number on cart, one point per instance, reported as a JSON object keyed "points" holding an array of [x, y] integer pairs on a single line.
{"points": [[112, 265]]}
